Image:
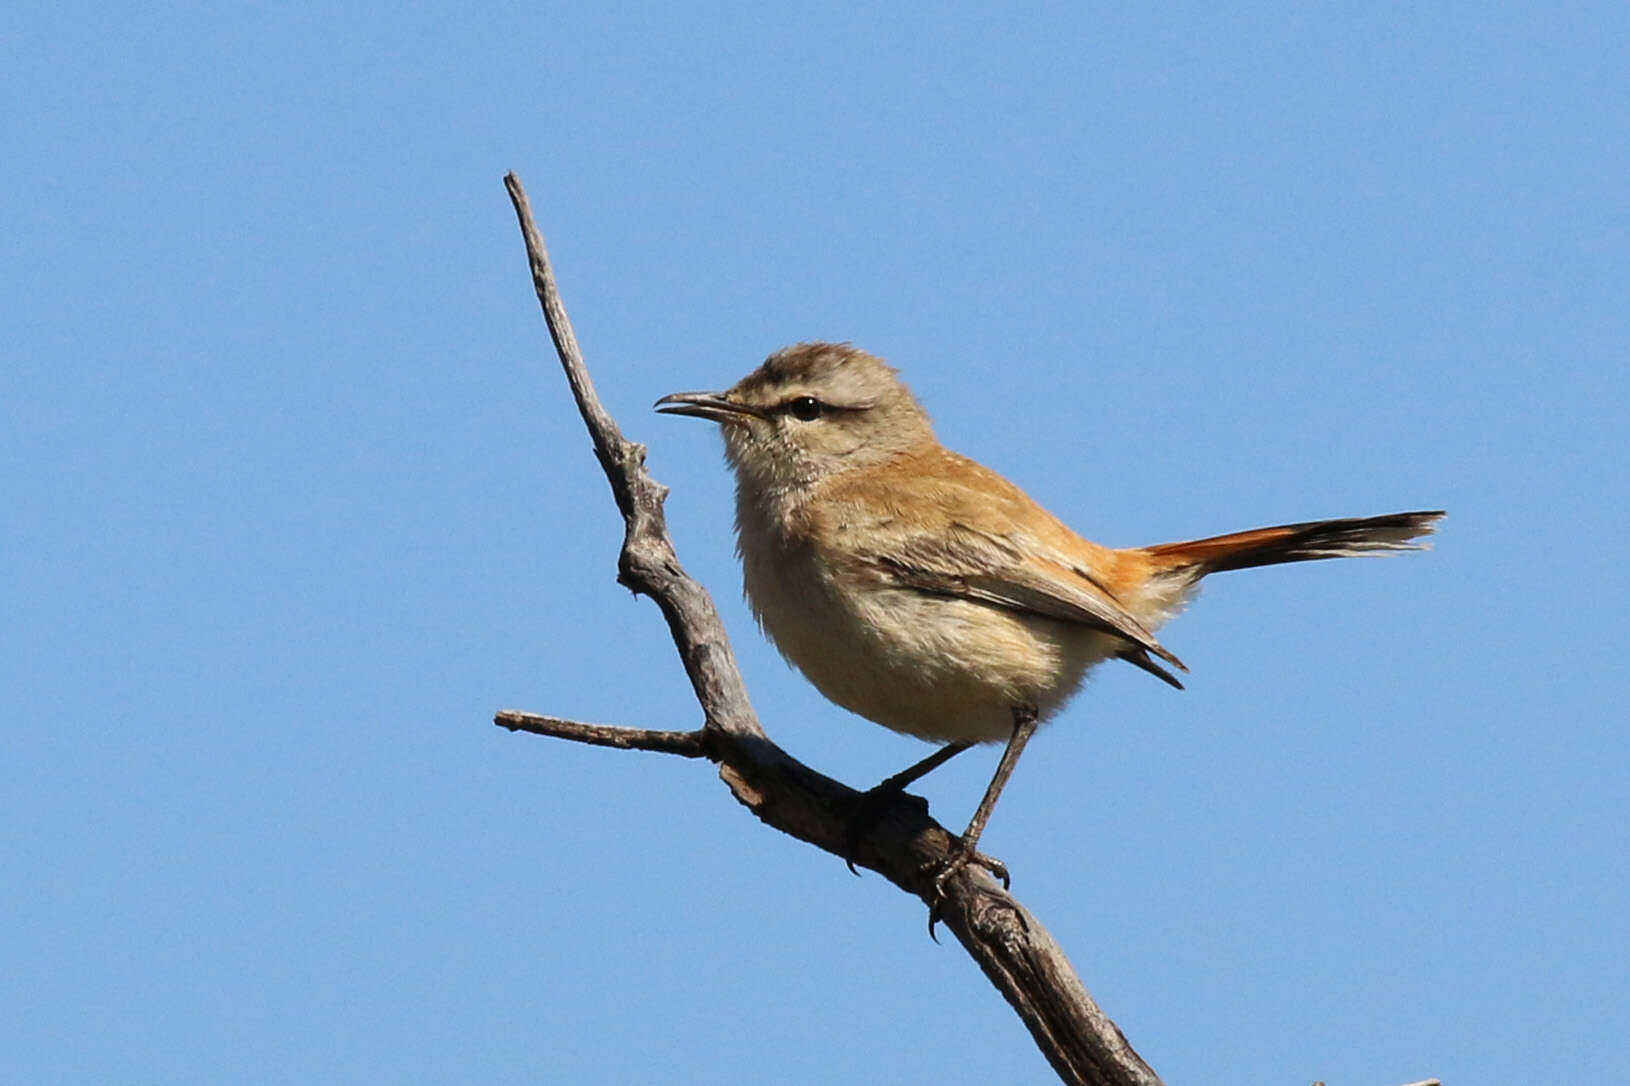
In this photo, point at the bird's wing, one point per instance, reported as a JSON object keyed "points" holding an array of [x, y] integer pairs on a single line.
{"points": [[986, 541], [1009, 572]]}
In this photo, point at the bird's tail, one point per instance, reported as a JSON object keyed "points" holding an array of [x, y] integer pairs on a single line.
{"points": [[1346, 538]]}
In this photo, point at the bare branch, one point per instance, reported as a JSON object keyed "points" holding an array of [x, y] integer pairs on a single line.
{"points": [[648, 564], [904, 845], [684, 744]]}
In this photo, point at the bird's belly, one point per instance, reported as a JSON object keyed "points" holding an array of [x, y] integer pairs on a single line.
{"points": [[936, 667]]}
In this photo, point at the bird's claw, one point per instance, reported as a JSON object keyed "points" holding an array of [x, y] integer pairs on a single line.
{"points": [[959, 857]]}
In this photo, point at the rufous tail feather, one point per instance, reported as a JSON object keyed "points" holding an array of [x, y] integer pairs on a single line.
{"points": [[1349, 537]]}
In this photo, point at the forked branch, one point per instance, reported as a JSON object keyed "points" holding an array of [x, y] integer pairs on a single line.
{"points": [[905, 845]]}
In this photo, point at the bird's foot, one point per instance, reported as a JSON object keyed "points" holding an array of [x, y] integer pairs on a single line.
{"points": [[961, 855], [874, 803]]}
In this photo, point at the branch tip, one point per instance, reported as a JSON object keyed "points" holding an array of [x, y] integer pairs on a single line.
{"points": [[685, 744]]}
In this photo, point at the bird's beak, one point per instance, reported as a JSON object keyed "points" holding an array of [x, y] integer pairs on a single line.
{"points": [[706, 405]]}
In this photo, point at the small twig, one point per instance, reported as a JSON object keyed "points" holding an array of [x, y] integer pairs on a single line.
{"points": [[685, 744]]}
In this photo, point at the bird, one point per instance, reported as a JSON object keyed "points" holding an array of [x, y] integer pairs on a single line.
{"points": [[930, 595]]}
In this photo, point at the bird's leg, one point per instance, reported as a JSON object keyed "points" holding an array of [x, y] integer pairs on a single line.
{"points": [[965, 851], [918, 770], [874, 801]]}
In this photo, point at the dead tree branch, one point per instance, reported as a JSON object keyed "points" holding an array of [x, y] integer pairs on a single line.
{"points": [[1002, 936], [685, 744]]}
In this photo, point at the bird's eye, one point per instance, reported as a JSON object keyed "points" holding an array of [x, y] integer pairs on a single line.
{"points": [[806, 408]]}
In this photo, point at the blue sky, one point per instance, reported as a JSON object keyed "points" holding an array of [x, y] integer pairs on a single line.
{"points": [[295, 500]]}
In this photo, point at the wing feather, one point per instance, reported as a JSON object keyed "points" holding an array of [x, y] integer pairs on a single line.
{"points": [[1006, 572]]}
